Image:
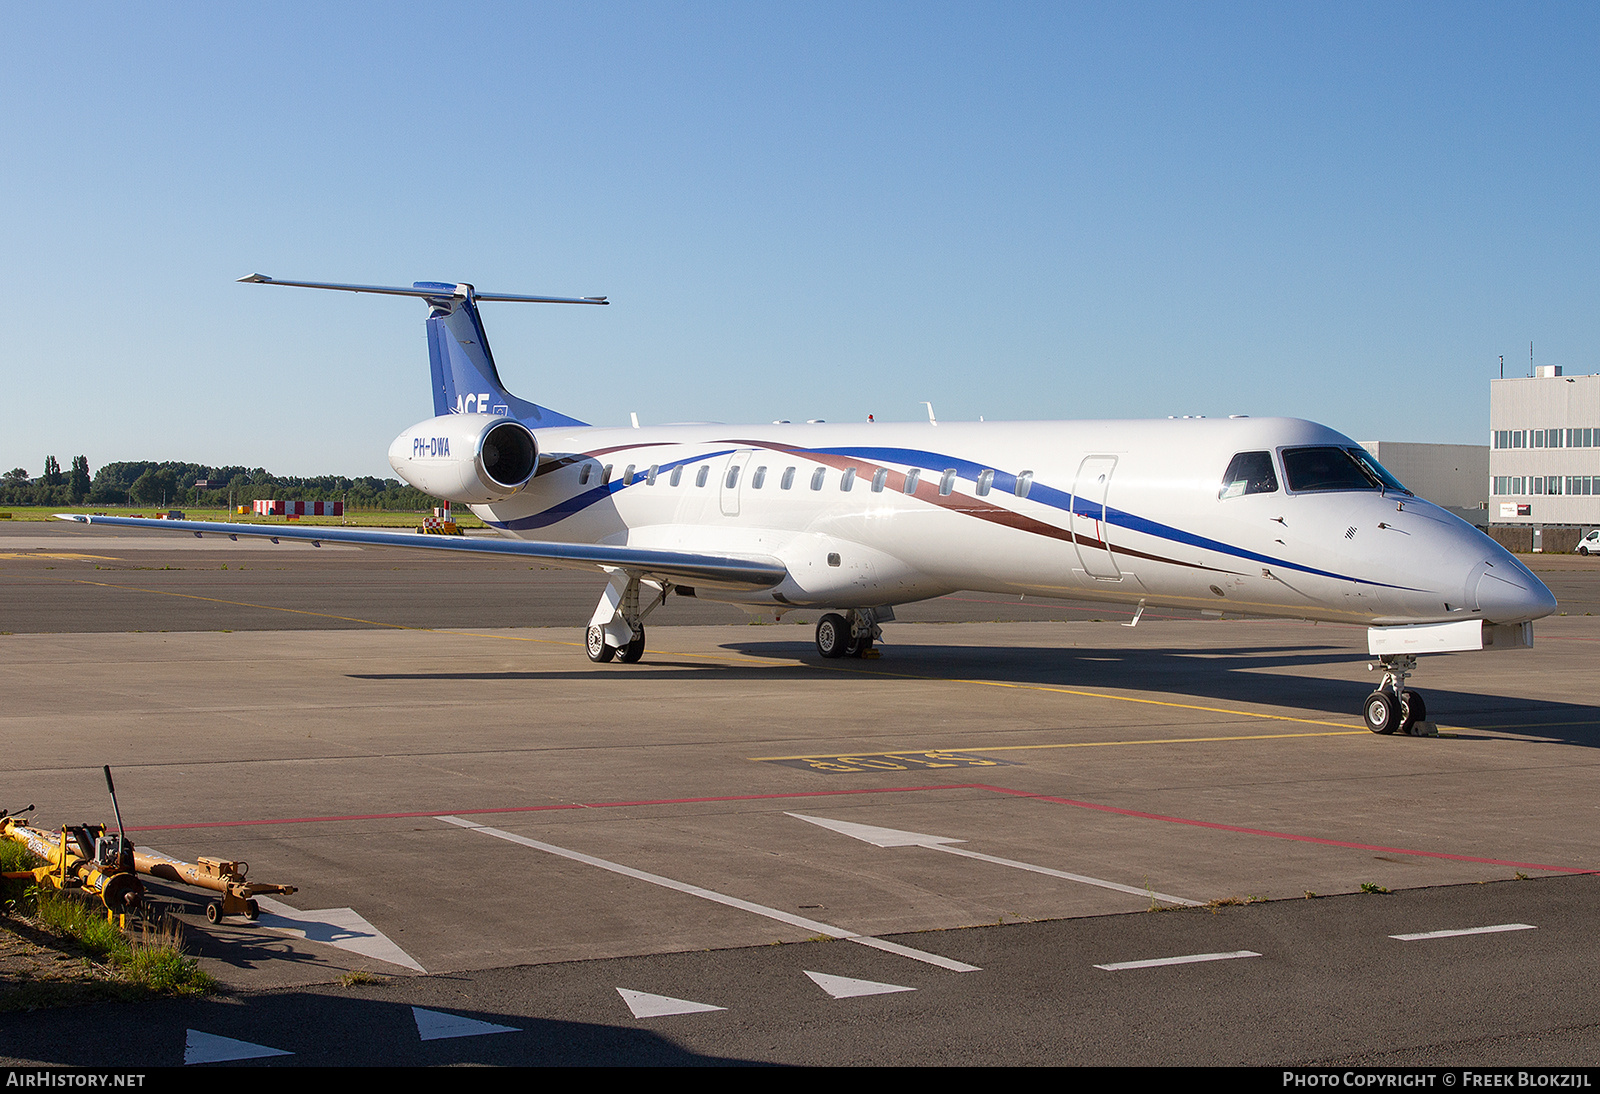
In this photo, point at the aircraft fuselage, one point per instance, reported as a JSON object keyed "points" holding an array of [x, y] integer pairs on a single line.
{"points": [[1120, 511]]}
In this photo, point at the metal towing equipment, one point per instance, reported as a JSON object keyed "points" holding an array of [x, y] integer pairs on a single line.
{"points": [[87, 858]]}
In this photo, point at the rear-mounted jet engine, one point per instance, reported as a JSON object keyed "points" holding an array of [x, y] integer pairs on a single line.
{"points": [[467, 458]]}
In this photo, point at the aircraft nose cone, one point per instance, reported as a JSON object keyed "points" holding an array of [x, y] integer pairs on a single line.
{"points": [[1508, 594]]}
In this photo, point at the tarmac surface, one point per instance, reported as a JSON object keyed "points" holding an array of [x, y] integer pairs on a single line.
{"points": [[995, 818]]}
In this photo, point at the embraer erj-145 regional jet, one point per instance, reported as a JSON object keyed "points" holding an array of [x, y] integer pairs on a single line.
{"points": [[1249, 516]]}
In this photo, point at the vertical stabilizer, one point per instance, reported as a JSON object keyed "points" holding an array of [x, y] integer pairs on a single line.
{"points": [[465, 380]]}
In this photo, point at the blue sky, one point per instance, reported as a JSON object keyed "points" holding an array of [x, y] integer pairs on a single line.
{"points": [[1343, 212]]}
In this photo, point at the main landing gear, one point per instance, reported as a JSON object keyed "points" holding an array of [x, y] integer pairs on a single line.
{"points": [[616, 630], [852, 634], [1394, 706]]}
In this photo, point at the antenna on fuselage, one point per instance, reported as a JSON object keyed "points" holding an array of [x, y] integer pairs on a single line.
{"points": [[931, 419]]}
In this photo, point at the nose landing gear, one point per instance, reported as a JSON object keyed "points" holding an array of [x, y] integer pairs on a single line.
{"points": [[1394, 706]]}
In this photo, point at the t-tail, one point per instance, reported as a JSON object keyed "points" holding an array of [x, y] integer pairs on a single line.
{"points": [[463, 374]]}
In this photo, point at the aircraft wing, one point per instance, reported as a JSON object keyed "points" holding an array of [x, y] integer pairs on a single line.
{"points": [[679, 567]]}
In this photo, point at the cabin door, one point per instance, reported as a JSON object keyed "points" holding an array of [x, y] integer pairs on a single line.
{"points": [[1090, 530]]}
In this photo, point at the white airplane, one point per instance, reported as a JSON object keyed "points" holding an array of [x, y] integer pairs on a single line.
{"points": [[1248, 516]]}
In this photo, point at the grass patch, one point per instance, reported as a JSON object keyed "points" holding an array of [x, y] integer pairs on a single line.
{"points": [[1220, 903], [58, 949], [85, 924]]}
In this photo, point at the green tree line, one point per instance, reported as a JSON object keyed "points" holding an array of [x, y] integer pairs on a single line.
{"points": [[173, 484]]}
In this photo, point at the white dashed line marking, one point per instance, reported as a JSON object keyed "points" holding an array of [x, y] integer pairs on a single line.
{"points": [[1190, 959], [1467, 930]]}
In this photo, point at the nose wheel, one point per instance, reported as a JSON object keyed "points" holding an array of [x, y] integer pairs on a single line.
{"points": [[1395, 707]]}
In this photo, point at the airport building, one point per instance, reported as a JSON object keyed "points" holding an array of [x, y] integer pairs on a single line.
{"points": [[1452, 476], [1544, 454]]}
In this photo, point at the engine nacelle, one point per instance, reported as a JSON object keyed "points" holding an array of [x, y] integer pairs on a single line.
{"points": [[469, 458]]}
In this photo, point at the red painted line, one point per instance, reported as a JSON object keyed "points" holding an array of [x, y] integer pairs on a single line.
{"points": [[1284, 835], [548, 808], [1118, 811]]}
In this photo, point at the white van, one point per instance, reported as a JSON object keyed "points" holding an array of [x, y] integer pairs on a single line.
{"points": [[1589, 544]]}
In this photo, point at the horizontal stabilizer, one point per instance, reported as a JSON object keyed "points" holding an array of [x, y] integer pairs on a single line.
{"points": [[465, 380], [427, 290], [679, 567]]}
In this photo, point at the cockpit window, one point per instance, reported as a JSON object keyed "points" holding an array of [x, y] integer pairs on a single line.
{"points": [[1309, 470], [1249, 473], [1390, 483]]}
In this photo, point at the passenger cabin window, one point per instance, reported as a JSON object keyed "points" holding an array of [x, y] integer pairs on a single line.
{"points": [[733, 477], [705, 472], [758, 478], [583, 475], [912, 478], [650, 475], [677, 475], [848, 479], [948, 482], [605, 474], [788, 478], [627, 475], [817, 476], [1024, 483], [1249, 473], [879, 477], [985, 482]]}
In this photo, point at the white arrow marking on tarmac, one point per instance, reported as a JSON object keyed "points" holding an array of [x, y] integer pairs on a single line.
{"points": [[209, 1048], [645, 1005], [848, 987], [436, 1025], [719, 898], [341, 927], [893, 837]]}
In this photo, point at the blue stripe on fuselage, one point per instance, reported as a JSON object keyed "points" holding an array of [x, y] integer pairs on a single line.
{"points": [[1004, 482], [579, 502]]}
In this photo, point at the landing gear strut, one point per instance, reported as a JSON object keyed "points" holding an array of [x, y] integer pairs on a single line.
{"points": [[616, 630], [1394, 706], [853, 634]]}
